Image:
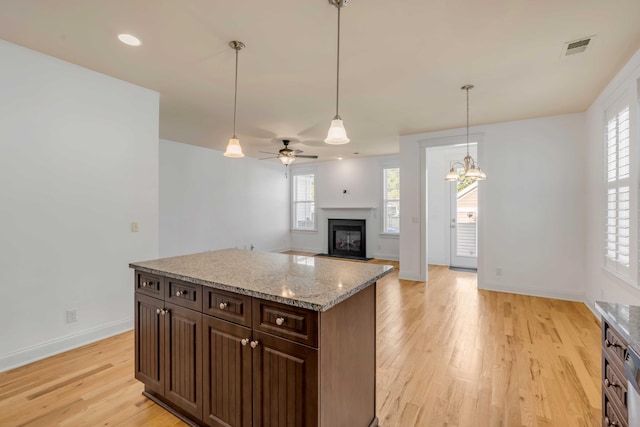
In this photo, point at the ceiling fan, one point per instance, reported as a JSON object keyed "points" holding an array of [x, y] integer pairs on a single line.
{"points": [[287, 155]]}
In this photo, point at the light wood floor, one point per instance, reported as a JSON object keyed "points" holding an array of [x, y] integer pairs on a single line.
{"points": [[448, 355]]}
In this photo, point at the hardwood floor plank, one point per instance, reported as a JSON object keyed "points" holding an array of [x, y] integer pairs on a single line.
{"points": [[448, 355]]}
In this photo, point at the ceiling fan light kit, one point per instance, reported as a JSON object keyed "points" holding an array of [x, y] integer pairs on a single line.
{"points": [[337, 134], [234, 149], [472, 170]]}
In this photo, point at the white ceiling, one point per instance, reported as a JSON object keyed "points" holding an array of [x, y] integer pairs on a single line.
{"points": [[402, 63]]}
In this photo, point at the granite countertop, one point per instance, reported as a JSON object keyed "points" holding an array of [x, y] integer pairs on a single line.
{"points": [[625, 319], [302, 281]]}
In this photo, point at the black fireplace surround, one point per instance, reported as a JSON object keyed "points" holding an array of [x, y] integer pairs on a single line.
{"points": [[347, 238]]}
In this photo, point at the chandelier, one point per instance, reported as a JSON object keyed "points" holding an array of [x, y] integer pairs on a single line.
{"points": [[472, 170]]}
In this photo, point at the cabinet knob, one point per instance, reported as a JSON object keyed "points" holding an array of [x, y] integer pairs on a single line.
{"points": [[181, 293], [144, 284], [254, 344], [608, 343], [158, 311], [244, 341], [163, 311], [223, 305], [608, 422], [608, 383], [279, 321]]}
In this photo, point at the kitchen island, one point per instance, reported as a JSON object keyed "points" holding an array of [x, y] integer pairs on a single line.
{"points": [[241, 338], [620, 335]]}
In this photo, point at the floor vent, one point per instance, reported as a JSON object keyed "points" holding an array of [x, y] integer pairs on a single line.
{"points": [[577, 46]]}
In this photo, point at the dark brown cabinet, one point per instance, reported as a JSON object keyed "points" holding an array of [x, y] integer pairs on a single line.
{"points": [[168, 351], [614, 384], [227, 374], [218, 358]]}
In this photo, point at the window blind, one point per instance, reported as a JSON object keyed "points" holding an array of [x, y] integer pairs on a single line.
{"points": [[304, 202], [391, 200], [618, 212]]}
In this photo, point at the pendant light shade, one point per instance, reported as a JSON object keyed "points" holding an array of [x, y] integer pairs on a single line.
{"points": [[472, 170], [337, 134], [286, 160], [234, 149]]}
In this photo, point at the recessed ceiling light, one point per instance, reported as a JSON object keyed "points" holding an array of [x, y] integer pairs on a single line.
{"points": [[339, 158], [129, 39]]}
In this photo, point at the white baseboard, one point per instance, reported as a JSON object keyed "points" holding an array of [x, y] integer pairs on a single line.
{"points": [[592, 306], [301, 249], [390, 257], [412, 277], [62, 344], [534, 292]]}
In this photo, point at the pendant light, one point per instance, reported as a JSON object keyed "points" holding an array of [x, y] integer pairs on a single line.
{"points": [[337, 133], [472, 170], [233, 147]]}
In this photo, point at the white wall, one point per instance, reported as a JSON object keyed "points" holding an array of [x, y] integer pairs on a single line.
{"points": [[362, 178], [602, 285], [531, 219], [78, 164], [208, 201], [439, 200]]}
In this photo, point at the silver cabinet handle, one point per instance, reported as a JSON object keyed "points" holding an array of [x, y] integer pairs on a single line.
{"points": [[279, 321], [608, 383], [254, 344], [181, 293], [158, 311], [163, 311], [145, 284], [608, 422], [244, 341], [223, 305]]}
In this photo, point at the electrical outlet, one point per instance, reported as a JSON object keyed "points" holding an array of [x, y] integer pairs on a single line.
{"points": [[72, 315], [498, 271]]}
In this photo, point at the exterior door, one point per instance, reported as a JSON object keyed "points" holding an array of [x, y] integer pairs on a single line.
{"points": [[464, 224]]}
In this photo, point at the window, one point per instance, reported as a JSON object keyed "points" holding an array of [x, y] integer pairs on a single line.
{"points": [[618, 236], [304, 208], [391, 200]]}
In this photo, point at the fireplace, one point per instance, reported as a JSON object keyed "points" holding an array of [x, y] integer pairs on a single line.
{"points": [[347, 238]]}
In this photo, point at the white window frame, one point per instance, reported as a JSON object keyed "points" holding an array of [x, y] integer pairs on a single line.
{"points": [[384, 200], [294, 202], [620, 194]]}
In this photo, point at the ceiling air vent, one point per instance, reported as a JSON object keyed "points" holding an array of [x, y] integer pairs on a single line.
{"points": [[577, 46]]}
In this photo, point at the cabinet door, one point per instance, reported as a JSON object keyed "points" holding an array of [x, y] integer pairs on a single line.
{"points": [[285, 392], [149, 342], [183, 358], [227, 374]]}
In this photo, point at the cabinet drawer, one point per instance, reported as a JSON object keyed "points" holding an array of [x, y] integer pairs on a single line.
{"points": [[615, 345], [294, 323], [149, 284], [229, 306], [615, 384], [611, 417], [184, 294]]}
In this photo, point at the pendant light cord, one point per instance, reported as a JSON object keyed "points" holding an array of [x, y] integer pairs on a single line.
{"points": [[468, 121], [338, 64], [235, 97]]}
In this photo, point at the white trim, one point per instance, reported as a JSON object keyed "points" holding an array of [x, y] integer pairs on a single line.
{"points": [[386, 257], [412, 277], [592, 307], [62, 344], [390, 235], [305, 249], [578, 296]]}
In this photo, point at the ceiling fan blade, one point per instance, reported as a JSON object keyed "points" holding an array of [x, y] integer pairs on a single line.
{"points": [[307, 157], [267, 158], [267, 152]]}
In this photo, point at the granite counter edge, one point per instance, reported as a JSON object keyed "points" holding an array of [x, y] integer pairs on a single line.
{"points": [[269, 297]]}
